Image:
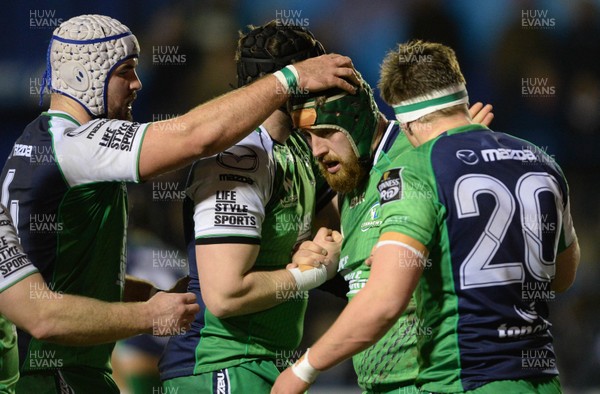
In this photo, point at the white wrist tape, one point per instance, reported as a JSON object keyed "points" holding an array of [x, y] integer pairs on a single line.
{"points": [[304, 370], [288, 76], [308, 277]]}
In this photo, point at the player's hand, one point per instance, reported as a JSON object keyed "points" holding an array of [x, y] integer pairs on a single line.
{"points": [[309, 253], [323, 249], [289, 383], [172, 314], [331, 240], [326, 71], [482, 114]]}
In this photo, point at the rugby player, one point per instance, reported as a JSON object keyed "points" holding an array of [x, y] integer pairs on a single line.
{"points": [[27, 301], [249, 208], [63, 181], [471, 217]]}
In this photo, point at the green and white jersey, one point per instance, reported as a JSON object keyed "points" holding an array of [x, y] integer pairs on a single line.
{"points": [[64, 186], [14, 266], [493, 212], [392, 361], [257, 192]]}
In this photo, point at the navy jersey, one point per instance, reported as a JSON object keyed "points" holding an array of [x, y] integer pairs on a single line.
{"points": [[493, 211]]}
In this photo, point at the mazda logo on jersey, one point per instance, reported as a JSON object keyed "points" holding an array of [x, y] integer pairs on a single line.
{"points": [[390, 186], [238, 158], [467, 156]]}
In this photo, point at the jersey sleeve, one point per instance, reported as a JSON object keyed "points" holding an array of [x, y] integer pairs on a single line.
{"points": [[408, 204], [567, 236], [102, 150], [230, 191], [567, 231], [14, 264]]}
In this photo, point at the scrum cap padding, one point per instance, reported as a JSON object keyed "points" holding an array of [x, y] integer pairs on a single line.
{"points": [[269, 48], [354, 115], [83, 52]]}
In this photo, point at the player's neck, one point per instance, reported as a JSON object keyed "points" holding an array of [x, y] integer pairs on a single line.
{"points": [[424, 132], [382, 125], [279, 126], [62, 103]]}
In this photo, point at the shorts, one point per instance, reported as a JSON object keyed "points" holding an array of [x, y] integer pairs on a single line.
{"points": [[253, 377], [75, 380]]}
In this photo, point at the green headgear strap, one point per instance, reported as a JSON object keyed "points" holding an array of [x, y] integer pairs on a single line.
{"points": [[354, 115]]}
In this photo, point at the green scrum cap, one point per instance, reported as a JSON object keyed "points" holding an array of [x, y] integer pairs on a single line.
{"points": [[354, 115]]}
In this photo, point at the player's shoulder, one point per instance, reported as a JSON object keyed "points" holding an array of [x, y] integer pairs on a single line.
{"points": [[248, 155], [246, 162]]}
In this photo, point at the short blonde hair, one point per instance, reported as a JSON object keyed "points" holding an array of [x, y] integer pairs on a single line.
{"points": [[416, 68]]}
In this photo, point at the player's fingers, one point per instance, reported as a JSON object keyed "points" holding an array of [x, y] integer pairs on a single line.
{"points": [[475, 108], [322, 234], [310, 246], [323, 231], [345, 75], [337, 236], [192, 309], [189, 298], [308, 258], [479, 113], [488, 119]]}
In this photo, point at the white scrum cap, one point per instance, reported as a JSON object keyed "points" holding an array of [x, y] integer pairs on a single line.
{"points": [[82, 54]]}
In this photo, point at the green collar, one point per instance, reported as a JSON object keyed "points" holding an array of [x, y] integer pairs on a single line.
{"points": [[466, 128]]}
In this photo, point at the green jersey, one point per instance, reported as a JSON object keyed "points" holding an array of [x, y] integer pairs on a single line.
{"points": [[256, 192], [392, 361], [493, 212], [63, 184]]}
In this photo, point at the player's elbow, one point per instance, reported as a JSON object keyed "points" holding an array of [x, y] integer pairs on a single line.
{"points": [[221, 305], [42, 328], [562, 286], [391, 310], [563, 283], [566, 268]]}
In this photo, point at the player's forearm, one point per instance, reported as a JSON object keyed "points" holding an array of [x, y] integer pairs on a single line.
{"points": [[258, 291], [74, 320], [225, 120], [394, 276], [362, 323], [209, 128]]}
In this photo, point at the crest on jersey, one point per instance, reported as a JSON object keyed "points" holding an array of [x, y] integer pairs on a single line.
{"points": [[390, 186], [373, 220]]}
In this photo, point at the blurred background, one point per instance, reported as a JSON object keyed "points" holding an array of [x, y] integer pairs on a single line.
{"points": [[537, 62]]}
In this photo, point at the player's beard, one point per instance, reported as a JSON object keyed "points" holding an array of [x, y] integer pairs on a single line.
{"points": [[123, 111], [348, 177]]}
